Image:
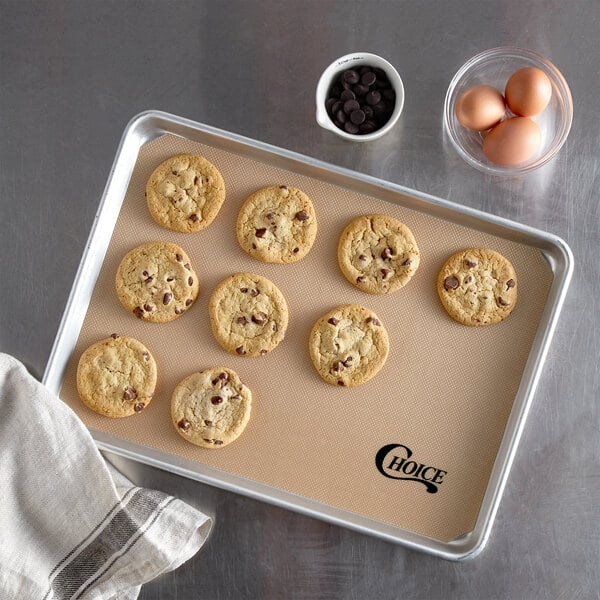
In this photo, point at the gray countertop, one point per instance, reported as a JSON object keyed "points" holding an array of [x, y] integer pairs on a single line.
{"points": [[72, 74]]}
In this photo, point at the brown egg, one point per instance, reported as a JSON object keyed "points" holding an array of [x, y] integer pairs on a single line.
{"points": [[528, 91], [513, 141], [480, 107]]}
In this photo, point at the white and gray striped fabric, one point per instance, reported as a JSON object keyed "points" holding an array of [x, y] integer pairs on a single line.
{"points": [[71, 526]]}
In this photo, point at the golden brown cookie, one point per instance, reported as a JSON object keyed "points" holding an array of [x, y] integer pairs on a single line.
{"points": [[116, 377], [185, 193], [211, 408], [156, 282], [378, 254], [477, 286], [248, 314], [277, 224], [348, 345]]}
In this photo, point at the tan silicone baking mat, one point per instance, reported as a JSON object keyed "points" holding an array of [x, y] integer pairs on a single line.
{"points": [[445, 392]]}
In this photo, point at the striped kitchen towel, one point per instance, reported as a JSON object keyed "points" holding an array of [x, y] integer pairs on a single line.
{"points": [[71, 526]]}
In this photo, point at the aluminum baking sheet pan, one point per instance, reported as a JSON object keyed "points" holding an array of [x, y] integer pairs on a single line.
{"points": [[419, 455]]}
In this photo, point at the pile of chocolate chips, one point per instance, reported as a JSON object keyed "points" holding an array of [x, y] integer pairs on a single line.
{"points": [[361, 100]]}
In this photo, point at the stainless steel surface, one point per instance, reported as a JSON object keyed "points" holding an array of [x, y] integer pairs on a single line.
{"points": [[72, 75]]}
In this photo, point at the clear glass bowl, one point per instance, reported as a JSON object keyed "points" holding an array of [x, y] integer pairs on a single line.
{"points": [[494, 67]]}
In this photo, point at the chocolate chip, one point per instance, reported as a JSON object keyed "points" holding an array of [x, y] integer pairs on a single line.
{"points": [[138, 311], [260, 319], [216, 400], [407, 262], [254, 292], [470, 263], [346, 95], [114, 336], [296, 250], [188, 266], [169, 279], [358, 116], [244, 290], [178, 311], [146, 356], [362, 258], [179, 257], [348, 361], [502, 302], [148, 307], [240, 350], [361, 279], [149, 279], [368, 127], [189, 302], [129, 393], [218, 442], [302, 216], [260, 232], [194, 218], [386, 254], [368, 78], [190, 281], [222, 378], [385, 273], [241, 320], [350, 106], [350, 76], [139, 406], [373, 98], [337, 366], [341, 383], [184, 424], [373, 321], [167, 298], [450, 283], [207, 422], [510, 284], [333, 321], [283, 187], [351, 127], [236, 397]]}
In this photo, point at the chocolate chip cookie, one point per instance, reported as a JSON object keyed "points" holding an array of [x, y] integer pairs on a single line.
{"points": [[185, 193], [211, 408], [378, 254], [348, 345], [248, 314], [156, 282], [116, 377], [477, 286], [277, 224]]}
